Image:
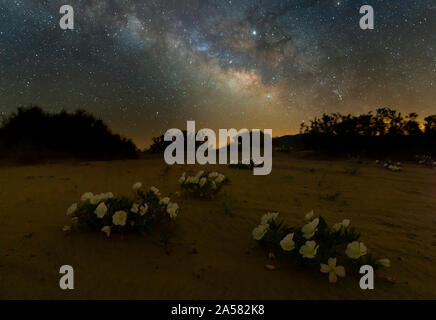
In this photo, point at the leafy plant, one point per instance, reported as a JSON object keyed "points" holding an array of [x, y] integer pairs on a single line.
{"points": [[315, 245]]}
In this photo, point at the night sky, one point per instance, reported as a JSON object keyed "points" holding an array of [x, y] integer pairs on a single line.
{"points": [[147, 66]]}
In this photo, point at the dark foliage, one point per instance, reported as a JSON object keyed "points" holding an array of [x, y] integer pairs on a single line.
{"points": [[32, 133], [385, 132]]}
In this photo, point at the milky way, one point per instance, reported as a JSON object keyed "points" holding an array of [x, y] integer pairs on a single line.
{"points": [[147, 66]]}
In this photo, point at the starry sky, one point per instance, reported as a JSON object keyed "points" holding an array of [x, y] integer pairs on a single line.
{"points": [[146, 66]]}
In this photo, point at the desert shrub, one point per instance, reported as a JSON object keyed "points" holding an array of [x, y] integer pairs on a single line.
{"points": [[33, 133], [204, 184], [425, 160], [315, 245], [390, 165], [104, 212]]}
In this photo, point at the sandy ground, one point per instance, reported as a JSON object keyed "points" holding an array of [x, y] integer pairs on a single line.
{"points": [[212, 254]]}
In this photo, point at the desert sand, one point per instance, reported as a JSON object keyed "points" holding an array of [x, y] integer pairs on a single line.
{"points": [[212, 254]]}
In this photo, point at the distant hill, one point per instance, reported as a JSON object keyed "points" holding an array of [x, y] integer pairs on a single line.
{"points": [[33, 134]]}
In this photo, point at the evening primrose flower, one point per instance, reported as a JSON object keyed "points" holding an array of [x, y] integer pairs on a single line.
{"points": [[119, 218], [101, 210], [72, 209], [309, 249], [308, 216], [97, 198], [213, 175], [182, 178], [270, 216], [87, 196], [310, 228], [384, 262], [344, 224], [202, 181], [356, 249], [164, 200], [155, 190], [333, 270], [137, 186], [287, 242], [220, 178], [106, 230], [143, 209], [172, 209], [260, 231], [135, 208]]}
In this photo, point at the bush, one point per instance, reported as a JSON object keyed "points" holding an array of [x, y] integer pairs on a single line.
{"points": [[203, 184], [33, 133], [317, 246], [106, 213]]}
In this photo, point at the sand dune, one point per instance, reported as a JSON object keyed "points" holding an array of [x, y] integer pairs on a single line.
{"points": [[212, 254]]}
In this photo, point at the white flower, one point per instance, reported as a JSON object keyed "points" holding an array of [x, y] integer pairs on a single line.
{"points": [[344, 224], [66, 228], [266, 218], [333, 270], [101, 210], [135, 208], [220, 178], [310, 228], [143, 209], [106, 230], [172, 209], [98, 198], [87, 196], [213, 175], [182, 178], [355, 250], [155, 190], [384, 262], [72, 209], [308, 216], [108, 195], [137, 186], [119, 218], [165, 200], [287, 242], [260, 231], [202, 181], [309, 249]]}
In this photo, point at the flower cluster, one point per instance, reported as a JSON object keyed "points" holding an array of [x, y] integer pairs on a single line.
{"points": [[107, 213], [316, 245], [204, 184], [425, 160], [390, 165]]}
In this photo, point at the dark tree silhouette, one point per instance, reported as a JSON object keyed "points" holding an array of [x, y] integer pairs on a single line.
{"points": [[33, 133], [384, 132]]}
